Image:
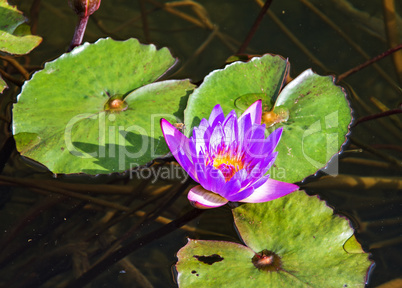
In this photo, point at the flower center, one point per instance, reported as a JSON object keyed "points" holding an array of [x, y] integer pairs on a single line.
{"points": [[228, 164]]}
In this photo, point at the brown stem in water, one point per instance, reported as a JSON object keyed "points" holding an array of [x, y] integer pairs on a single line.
{"points": [[131, 247], [377, 115], [367, 63], [34, 12], [254, 28], [10, 78], [355, 182], [16, 65], [144, 20]]}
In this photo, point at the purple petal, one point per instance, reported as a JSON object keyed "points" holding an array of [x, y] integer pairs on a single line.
{"points": [[260, 182], [216, 116], [241, 195], [244, 126], [204, 124], [273, 140], [178, 145], [187, 165], [254, 173], [231, 187], [201, 176], [240, 176], [215, 178], [204, 199], [262, 149], [230, 129], [260, 166], [270, 190], [255, 111], [230, 115], [198, 138], [217, 136], [254, 140]]}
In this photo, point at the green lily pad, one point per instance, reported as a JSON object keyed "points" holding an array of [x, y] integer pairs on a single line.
{"points": [[3, 85], [96, 110], [293, 241], [312, 110], [15, 37]]}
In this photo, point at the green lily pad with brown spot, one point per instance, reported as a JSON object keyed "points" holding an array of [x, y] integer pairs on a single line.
{"points": [[294, 241], [313, 111], [97, 109]]}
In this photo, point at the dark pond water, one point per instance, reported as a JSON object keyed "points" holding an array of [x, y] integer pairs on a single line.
{"points": [[48, 238]]}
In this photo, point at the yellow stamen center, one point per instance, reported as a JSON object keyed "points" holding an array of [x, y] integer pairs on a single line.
{"points": [[228, 165]]}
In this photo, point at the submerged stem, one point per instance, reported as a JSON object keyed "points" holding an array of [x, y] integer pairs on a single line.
{"points": [[254, 28], [131, 247], [367, 63]]}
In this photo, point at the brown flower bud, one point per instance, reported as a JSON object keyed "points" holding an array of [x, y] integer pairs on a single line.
{"points": [[84, 8]]}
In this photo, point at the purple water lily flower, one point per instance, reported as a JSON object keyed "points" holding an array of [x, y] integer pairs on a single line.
{"points": [[229, 157]]}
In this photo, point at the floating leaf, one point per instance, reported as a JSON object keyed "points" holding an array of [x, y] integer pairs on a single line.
{"points": [[312, 110], [352, 246], [15, 37], [3, 85], [293, 241], [96, 110]]}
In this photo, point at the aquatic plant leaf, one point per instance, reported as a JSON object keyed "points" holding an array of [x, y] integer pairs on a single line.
{"points": [[312, 110], [251, 80], [3, 85], [96, 110], [300, 232], [352, 246], [15, 36], [235, 266]]}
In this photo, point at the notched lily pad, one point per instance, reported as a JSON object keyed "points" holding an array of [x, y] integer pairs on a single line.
{"points": [[96, 110], [312, 110], [15, 36], [293, 241]]}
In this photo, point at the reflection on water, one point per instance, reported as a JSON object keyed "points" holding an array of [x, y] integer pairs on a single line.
{"points": [[52, 233]]}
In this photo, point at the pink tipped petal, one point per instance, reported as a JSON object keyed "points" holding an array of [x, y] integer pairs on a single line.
{"points": [[270, 190], [217, 136], [201, 177], [204, 199], [179, 145], [260, 182], [273, 140], [215, 178], [216, 116], [255, 111], [244, 125], [239, 196], [174, 138], [204, 124], [230, 187]]}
